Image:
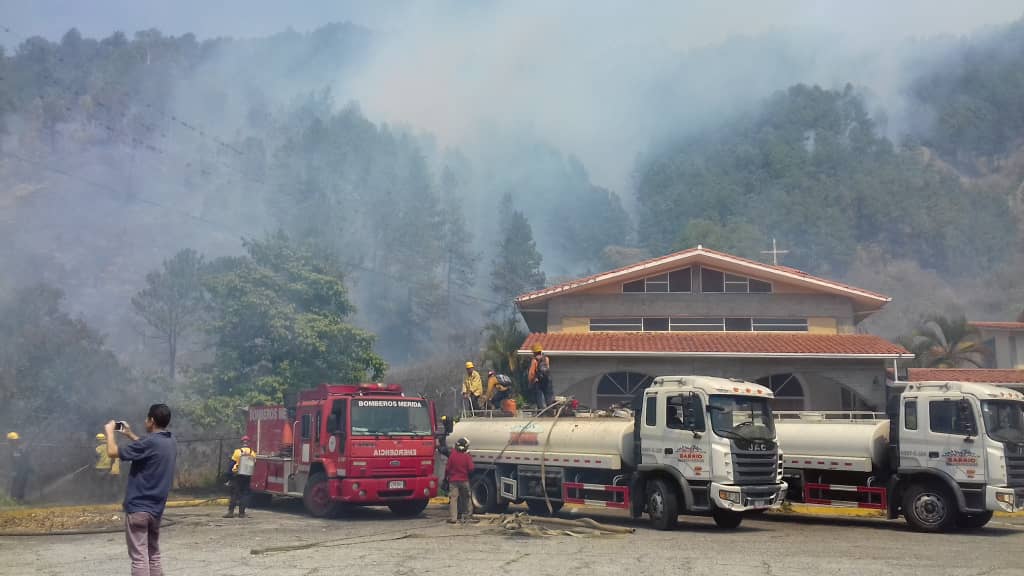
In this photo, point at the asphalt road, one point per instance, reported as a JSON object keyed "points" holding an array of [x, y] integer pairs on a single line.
{"points": [[372, 542]]}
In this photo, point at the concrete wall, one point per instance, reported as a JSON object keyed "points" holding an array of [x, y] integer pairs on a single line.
{"points": [[822, 380], [575, 306]]}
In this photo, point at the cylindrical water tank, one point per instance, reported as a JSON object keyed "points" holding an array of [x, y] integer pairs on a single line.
{"points": [[594, 436], [830, 438]]}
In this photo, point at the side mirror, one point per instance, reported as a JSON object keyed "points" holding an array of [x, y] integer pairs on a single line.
{"points": [[332, 424]]}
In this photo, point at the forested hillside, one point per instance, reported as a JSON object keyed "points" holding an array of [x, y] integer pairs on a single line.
{"points": [[117, 153]]}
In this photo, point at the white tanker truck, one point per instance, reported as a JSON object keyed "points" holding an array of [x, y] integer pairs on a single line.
{"points": [[949, 455], [696, 445]]}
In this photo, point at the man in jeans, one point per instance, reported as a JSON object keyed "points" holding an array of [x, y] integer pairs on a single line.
{"points": [[149, 481]]}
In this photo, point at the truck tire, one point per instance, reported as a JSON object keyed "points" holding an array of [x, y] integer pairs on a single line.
{"points": [[316, 497], [662, 505], [408, 508], [483, 493], [261, 500], [973, 521], [540, 507], [727, 519], [929, 507]]}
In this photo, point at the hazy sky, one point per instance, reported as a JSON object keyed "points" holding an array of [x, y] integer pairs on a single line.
{"points": [[679, 24]]}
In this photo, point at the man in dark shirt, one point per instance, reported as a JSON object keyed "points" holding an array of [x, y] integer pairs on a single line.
{"points": [[149, 481]]}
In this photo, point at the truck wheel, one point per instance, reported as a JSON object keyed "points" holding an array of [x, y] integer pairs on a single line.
{"points": [[727, 518], [408, 508], [317, 497], [973, 521], [484, 493], [540, 507], [929, 508], [662, 505]]}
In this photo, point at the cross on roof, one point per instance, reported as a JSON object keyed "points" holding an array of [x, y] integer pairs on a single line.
{"points": [[775, 253]]}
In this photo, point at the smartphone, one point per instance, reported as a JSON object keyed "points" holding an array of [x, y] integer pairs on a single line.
{"points": [[119, 425]]}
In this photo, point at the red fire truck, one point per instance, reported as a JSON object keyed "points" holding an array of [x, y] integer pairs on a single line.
{"points": [[359, 444]]}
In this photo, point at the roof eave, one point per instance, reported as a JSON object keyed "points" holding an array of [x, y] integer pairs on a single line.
{"points": [[662, 354], [878, 300]]}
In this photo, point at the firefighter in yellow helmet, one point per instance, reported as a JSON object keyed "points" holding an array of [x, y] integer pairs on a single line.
{"points": [[540, 378], [21, 468], [106, 471], [473, 387]]}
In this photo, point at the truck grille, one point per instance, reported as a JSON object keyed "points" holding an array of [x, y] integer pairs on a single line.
{"points": [[754, 467], [1014, 470]]}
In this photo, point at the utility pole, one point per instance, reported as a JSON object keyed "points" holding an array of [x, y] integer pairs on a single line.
{"points": [[775, 253]]}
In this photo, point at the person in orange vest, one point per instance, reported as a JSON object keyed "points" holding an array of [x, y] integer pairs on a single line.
{"points": [[540, 378], [244, 459]]}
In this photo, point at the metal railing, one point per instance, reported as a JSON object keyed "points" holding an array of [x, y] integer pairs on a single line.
{"points": [[831, 416]]}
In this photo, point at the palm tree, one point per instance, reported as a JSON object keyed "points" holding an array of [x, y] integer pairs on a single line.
{"points": [[947, 342], [501, 349]]}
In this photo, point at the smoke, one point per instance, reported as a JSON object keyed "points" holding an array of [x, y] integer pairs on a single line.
{"points": [[541, 96]]}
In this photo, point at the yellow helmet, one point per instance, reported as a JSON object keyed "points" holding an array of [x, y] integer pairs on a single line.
{"points": [[470, 365], [13, 436], [537, 348], [101, 436]]}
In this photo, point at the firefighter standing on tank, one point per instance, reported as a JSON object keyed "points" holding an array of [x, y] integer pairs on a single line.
{"points": [[473, 388], [243, 460], [540, 378]]}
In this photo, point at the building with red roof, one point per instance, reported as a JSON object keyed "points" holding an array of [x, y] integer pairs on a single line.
{"points": [[702, 311], [1005, 341]]}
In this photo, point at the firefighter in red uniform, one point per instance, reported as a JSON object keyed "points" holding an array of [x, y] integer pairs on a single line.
{"points": [[457, 471]]}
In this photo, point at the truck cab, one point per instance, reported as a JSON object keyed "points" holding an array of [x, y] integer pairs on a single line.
{"points": [[946, 455], [362, 444], [713, 440], [968, 438]]}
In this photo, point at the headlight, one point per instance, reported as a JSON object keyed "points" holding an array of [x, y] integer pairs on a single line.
{"points": [[734, 497], [1005, 497]]}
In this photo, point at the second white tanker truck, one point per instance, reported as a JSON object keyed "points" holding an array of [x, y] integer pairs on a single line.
{"points": [[696, 445], [947, 455]]}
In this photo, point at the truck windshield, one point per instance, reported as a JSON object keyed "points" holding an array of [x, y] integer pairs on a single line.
{"points": [[391, 417], [1004, 420], [741, 417]]}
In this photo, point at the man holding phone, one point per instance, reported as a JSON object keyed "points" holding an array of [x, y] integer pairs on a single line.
{"points": [[149, 481]]}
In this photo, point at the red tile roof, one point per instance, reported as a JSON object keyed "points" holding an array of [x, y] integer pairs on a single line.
{"points": [[999, 325], [966, 375], [705, 254], [737, 344]]}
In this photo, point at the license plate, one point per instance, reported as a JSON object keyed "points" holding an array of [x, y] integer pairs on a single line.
{"points": [[760, 503], [396, 484]]}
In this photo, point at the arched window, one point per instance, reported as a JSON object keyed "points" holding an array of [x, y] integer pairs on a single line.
{"points": [[619, 387], [789, 393]]}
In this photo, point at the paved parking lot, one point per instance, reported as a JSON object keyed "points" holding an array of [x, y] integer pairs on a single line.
{"points": [[372, 542]]}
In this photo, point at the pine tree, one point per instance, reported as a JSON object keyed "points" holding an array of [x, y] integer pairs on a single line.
{"points": [[516, 266]]}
